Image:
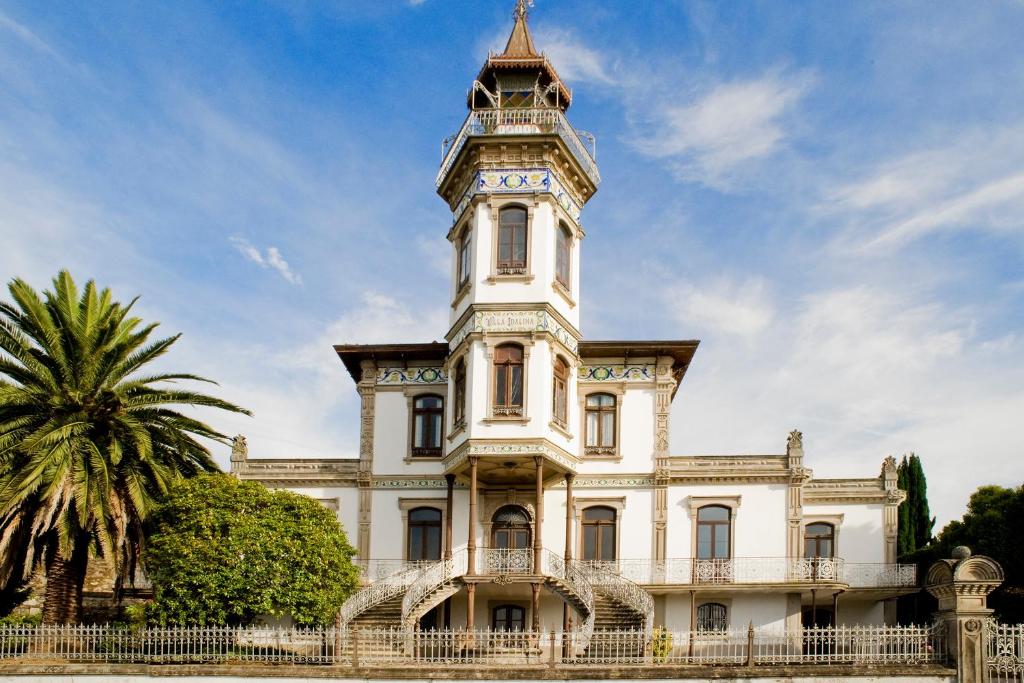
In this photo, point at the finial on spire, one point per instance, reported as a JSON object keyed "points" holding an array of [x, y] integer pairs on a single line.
{"points": [[522, 9]]}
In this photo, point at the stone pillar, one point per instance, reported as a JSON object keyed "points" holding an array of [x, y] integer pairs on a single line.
{"points": [[367, 389], [890, 524], [450, 479], [798, 476], [470, 606], [239, 455], [962, 586], [538, 524], [535, 587], [471, 541], [665, 383], [569, 517]]}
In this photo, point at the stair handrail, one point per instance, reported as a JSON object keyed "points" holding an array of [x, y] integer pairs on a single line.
{"points": [[381, 590], [569, 573], [430, 579], [620, 589]]}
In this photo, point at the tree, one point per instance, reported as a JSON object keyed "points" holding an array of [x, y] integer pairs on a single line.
{"points": [[88, 445], [915, 522], [223, 551]]}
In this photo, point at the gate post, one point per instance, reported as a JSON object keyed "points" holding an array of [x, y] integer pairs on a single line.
{"points": [[961, 585]]}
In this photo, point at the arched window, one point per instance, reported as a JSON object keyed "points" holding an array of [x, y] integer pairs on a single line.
{"points": [[563, 256], [599, 533], [424, 534], [508, 380], [713, 528], [560, 388], [712, 616], [465, 245], [508, 618], [510, 528], [512, 241], [600, 424], [459, 413], [819, 540], [427, 418]]}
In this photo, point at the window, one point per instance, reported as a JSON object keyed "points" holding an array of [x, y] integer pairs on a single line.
{"points": [[599, 534], [712, 616], [508, 380], [563, 253], [508, 618], [459, 414], [424, 534], [512, 241], [510, 528], [819, 540], [427, 417], [713, 527], [600, 424], [465, 245], [560, 403]]}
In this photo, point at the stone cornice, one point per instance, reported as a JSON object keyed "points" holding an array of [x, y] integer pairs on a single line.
{"points": [[735, 469], [513, 448], [850, 491], [533, 318], [300, 471]]}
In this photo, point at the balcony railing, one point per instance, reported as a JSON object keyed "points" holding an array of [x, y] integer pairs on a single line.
{"points": [[765, 570], [519, 122], [502, 561], [374, 570]]}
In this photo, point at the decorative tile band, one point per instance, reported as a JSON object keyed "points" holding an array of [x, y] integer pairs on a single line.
{"points": [[516, 321], [518, 180], [617, 373], [396, 376]]}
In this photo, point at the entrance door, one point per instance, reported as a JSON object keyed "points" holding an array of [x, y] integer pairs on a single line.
{"points": [[510, 528], [509, 618]]}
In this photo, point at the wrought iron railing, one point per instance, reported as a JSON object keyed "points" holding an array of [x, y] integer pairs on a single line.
{"points": [[503, 561], [374, 570], [381, 590], [1004, 651], [513, 121], [842, 646], [430, 580], [578, 582], [764, 570], [621, 589]]}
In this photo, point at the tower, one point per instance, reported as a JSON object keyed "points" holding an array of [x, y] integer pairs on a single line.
{"points": [[516, 177]]}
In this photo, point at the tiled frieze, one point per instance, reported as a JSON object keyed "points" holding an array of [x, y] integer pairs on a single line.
{"points": [[402, 376], [516, 321], [616, 373], [517, 181]]}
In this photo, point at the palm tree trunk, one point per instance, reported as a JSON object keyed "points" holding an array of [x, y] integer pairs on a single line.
{"points": [[62, 600]]}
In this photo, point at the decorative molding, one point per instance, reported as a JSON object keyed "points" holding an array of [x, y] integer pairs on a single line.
{"points": [[414, 375], [511, 321], [694, 503], [502, 448], [735, 469], [617, 373], [519, 181], [845, 492], [610, 481], [413, 483]]}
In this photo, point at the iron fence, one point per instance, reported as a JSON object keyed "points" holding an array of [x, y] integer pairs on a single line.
{"points": [[397, 647], [1004, 655]]}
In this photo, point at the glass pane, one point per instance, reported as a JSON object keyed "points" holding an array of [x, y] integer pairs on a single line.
{"points": [[599, 514], [713, 513], [501, 538], [500, 388], [519, 248], [825, 548], [425, 515], [721, 541], [433, 543], [608, 429], [517, 386], [607, 542], [589, 542], [505, 245], [591, 428], [703, 542], [432, 402], [417, 432], [416, 543], [522, 538], [810, 548], [435, 433]]}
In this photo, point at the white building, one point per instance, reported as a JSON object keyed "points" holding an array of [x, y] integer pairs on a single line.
{"points": [[519, 475]]}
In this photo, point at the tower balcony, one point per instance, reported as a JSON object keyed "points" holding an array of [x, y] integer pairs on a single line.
{"points": [[521, 121]]}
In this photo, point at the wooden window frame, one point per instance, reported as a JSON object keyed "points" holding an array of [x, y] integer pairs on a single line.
{"points": [[406, 505], [512, 266], [563, 251], [616, 409], [580, 505], [715, 526], [694, 503], [497, 205], [420, 451], [560, 369], [831, 537], [613, 523], [505, 410], [410, 525], [460, 395]]}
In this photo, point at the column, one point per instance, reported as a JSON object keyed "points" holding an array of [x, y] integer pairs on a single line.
{"points": [[364, 480], [450, 478], [893, 497], [471, 541], [569, 516], [536, 606], [538, 542], [470, 605]]}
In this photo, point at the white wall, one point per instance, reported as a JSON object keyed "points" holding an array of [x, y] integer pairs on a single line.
{"points": [[860, 536], [759, 524]]}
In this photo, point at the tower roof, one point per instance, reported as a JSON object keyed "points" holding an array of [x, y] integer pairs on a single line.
{"points": [[521, 55]]}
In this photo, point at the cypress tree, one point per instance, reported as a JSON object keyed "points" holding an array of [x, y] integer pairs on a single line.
{"points": [[905, 533], [923, 522]]}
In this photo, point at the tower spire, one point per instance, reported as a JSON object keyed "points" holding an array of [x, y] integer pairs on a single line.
{"points": [[520, 43], [522, 9]]}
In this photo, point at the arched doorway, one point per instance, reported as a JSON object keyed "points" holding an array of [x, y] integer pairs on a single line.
{"points": [[511, 534]]}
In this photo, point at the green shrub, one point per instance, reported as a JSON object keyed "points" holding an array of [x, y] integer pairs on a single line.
{"points": [[223, 551], [21, 620], [661, 644]]}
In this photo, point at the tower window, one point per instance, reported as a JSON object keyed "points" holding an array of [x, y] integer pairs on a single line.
{"points": [[512, 241], [563, 252], [427, 418], [459, 412], [508, 380], [560, 382], [465, 245], [600, 424]]}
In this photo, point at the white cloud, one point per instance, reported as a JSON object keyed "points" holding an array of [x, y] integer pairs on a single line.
{"points": [[26, 36], [574, 61], [741, 310], [270, 259], [972, 182], [733, 124]]}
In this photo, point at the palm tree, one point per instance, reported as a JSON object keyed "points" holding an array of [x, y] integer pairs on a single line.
{"points": [[87, 444]]}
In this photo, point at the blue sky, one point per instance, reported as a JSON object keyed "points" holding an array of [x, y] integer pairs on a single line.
{"points": [[829, 195]]}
